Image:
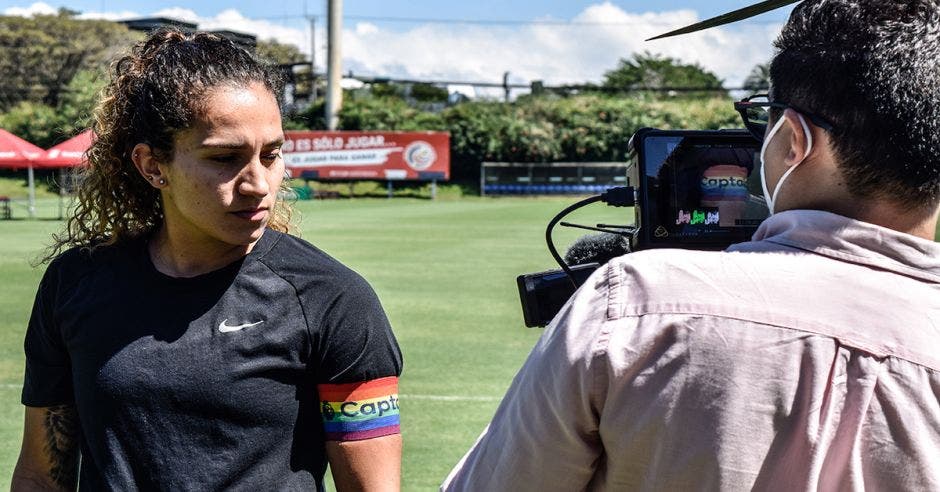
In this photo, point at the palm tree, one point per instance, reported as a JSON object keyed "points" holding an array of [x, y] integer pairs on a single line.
{"points": [[759, 78]]}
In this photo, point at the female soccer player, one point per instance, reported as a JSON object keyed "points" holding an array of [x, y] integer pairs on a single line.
{"points": [[180, 339]]}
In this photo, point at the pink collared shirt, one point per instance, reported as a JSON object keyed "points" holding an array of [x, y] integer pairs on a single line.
{"points": [[807, 359]]}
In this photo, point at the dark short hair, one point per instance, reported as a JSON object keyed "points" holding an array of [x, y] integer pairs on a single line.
{"points": [[872, 69]]}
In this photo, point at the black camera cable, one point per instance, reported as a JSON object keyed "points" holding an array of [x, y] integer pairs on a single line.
{"points": [[623, 196]]}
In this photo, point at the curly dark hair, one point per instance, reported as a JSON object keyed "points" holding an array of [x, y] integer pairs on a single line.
{"points": [[154, 92], [872, 68]]}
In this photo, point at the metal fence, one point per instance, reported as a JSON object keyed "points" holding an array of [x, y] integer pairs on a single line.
{"points": [[550, 178]]}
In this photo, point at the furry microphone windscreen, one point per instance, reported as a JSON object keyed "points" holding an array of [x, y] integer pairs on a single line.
{"points": [[597, 248]]}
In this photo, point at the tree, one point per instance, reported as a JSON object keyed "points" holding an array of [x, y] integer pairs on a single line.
{"points": [[651, 71], [386, 90], [429, 93], [759, 78], [277, 53], [584, 127], [46, 125], [288, 57], [40, 55], [33, 122]]}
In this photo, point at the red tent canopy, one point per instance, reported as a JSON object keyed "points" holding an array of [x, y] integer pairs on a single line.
{"points": [[69, 153], [16, 152]]}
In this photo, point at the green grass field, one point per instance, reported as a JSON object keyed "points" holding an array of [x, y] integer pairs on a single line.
{"points": [[445, 271]]}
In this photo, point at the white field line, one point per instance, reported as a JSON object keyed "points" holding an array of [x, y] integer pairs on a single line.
{"points": [[407, 397], [16, 386]]}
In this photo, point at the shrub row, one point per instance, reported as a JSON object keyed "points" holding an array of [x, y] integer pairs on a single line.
{"points": [[532, 129], [580, 128]]}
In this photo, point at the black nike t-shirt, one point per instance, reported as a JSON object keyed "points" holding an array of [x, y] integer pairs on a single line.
{"points": [[211, 382]]}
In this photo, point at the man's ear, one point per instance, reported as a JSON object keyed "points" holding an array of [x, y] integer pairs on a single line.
{"points": [[801, 143], [147, 165]]}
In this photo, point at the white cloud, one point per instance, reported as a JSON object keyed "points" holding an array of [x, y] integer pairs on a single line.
{"points": [[366, 28], [229, 19], [38, 8], [233, 20], [111, 16], [178, 13], [579, 50]]}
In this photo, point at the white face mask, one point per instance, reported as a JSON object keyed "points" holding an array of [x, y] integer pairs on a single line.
{"points": [[768, 197]]}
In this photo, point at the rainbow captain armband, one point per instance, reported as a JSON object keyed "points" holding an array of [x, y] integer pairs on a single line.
{"points": [[356, 411]]}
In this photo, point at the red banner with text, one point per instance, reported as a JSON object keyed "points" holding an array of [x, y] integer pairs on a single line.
{"points": [[320, 155]]}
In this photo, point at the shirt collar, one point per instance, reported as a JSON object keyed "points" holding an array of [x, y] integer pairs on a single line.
{"points": [[851, 240]]}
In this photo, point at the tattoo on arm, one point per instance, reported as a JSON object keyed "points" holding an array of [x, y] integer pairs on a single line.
{"points": [[61, 445]]}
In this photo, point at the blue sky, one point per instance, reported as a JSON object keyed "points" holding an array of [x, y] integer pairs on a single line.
{"points": [[581, 39], [480, 9]]}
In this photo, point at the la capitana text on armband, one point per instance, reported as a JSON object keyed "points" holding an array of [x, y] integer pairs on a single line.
{"points": [[363, 410]]}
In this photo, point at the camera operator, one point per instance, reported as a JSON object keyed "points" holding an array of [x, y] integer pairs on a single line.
{"points": [[806, 359]]}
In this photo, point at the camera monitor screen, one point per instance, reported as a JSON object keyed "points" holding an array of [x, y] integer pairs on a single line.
{"points": [[701, 189]]}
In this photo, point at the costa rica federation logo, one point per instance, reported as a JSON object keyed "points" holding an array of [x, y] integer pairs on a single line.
{"points": [[420, 155]]}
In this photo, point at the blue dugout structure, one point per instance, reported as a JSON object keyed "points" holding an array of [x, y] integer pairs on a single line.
{"points": [[550, 178]]}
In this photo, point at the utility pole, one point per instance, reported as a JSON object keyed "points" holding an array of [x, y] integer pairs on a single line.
{"points": [[334, 93], [506, 86], [313, 58]]}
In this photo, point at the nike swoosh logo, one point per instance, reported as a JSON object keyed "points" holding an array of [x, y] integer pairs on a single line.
{"points": [[224, 328]]}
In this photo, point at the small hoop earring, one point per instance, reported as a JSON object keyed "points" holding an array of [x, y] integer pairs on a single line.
{"points": [[162, 181]]}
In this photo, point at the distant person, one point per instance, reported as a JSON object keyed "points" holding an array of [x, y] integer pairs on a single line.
{"points": [[180, 340], [806, 359]]}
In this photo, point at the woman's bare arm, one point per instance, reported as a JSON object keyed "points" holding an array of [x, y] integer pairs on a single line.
{"points": [[50, 452], [372, 465]]}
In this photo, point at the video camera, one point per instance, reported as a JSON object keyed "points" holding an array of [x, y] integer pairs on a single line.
{"points": [[691, 189]]}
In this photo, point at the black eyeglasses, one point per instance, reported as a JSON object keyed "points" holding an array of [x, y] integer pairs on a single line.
{"points": [[755, 111]]}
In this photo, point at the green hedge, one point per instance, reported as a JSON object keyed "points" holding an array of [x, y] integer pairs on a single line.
{"points": [[533, 129]]}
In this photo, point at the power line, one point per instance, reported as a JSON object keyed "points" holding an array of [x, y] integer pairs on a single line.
{"points": [[365, 79], [431, 20], [564, 87], [494, 22], [287, 17]]}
